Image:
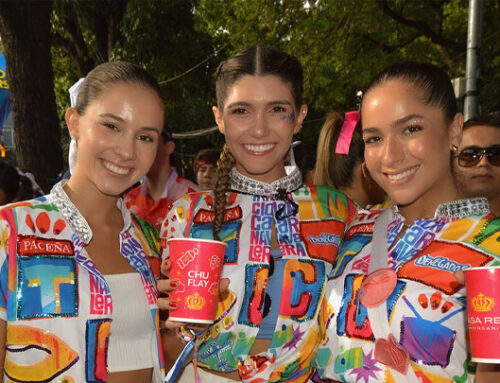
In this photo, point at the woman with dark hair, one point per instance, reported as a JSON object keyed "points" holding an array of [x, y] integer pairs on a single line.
{"points": [[282, 235], [340, 160], [77, 295], [394, 310]]}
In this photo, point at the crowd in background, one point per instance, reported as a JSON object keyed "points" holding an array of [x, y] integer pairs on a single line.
{"points": [[304, 259]]}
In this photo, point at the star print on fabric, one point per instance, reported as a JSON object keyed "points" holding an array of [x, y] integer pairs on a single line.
{"points": [[366, 371], [297, 336]]}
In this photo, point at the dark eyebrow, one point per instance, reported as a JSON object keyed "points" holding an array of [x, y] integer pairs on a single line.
{"points": [[400, 121], [113, 116], [281, 102], [151, 129], [118, 118], [239, 103], [370, 130], [405, 119], [243, 103]]}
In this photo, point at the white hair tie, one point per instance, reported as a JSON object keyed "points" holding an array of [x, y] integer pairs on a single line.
{"points": [[73, 91], [73, 96]]}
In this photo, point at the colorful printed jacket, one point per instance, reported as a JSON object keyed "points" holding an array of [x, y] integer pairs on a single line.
{"points": [[426, 309], [308, 242], [56, 303], [142, 205]]}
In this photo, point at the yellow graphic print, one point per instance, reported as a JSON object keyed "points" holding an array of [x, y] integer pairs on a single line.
{"points": [[483, 303], [23, 339], [484, 232], [4, 240]]}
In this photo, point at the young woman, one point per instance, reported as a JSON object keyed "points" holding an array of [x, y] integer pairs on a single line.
{"points": [[282, 236], [340, 160], [78, 298], [394, 310]]}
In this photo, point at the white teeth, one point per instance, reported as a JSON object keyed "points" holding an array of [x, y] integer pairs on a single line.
{"points": [[259, 148], [400, 176], [115, 169]]}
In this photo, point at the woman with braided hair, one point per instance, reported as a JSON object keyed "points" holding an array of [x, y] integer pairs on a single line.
{"points": [[282, 236]]}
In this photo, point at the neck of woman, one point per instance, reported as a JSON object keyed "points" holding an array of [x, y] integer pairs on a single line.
{"points": [[425, 206], [96, 207]]}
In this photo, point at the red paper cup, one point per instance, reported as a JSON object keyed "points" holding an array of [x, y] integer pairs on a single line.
{"points": [[197, 265], [483, 313]]}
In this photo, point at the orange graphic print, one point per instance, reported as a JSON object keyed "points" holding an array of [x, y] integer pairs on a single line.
{"points": [[23, 339]]}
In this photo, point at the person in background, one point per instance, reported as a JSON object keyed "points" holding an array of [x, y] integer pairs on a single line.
{"points": [[10, 183], [153, 199], [304, 157], [340, 161], [477, 165], [77, 295], [394, 310], [205, 164], [29, 187], [282, 235]]}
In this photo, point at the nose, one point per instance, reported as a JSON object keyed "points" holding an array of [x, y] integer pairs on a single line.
{"points": [[484, 161], [259, 127], [393, 151], [125, 147]]}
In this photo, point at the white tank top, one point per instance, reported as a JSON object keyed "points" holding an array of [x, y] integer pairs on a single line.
{"points": [[132, 338]]}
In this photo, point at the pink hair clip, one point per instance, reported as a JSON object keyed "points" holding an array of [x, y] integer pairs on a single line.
{"points": [[345, 136]]}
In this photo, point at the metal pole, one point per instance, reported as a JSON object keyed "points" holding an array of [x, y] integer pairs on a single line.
{"points": [[474, 31]]}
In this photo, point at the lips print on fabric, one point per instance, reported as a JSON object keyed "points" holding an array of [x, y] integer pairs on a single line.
{"points": [[23, 339]]}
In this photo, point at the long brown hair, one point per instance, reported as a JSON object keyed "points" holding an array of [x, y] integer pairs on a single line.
{"points": [[254, 61]]}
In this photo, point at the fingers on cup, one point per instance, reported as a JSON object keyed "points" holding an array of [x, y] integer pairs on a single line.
{"points": [[165, 267], [167, 285], [166, 304]]}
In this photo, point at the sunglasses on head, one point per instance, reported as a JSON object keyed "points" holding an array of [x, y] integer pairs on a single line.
{"points": [[472, 156]]}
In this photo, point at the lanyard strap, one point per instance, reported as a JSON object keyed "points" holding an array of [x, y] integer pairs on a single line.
{"points": [[378, 315], [184, 355]]}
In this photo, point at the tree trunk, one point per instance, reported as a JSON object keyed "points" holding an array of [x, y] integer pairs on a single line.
{"points": [[25, 32]]}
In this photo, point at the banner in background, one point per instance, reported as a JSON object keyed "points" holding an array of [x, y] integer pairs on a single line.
{"points": [[4, 92]]}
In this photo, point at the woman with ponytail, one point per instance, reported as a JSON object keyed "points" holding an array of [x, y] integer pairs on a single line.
{"points": [[282, 236]]}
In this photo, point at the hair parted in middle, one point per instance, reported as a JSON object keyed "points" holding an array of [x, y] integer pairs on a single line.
{"points": [[253, 61]]}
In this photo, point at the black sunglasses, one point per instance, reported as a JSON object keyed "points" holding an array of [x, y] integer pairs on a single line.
{"points": [[472, 156]]}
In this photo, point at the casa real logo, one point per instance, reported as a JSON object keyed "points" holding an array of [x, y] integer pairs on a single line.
{"points": [[483, 303]]}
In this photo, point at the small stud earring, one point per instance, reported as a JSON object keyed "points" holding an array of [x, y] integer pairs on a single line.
{"points": [[454, 148]]}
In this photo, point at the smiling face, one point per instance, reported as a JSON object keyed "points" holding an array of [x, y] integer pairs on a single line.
{"points": [[482, 179], [258, 120], [117, 138], [407, 145]]}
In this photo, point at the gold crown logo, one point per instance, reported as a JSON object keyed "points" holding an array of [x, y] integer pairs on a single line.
{"points": [[482, 303], [195, 302]]}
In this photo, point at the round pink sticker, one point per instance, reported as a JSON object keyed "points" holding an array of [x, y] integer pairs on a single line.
{"points": [[377, 287]]}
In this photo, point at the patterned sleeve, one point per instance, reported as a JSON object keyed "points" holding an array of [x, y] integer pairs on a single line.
{"points": [[4, 265], [176, 222]]}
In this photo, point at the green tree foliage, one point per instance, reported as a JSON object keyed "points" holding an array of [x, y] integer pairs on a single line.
{"points": [[158, 35], [343, 44]]}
